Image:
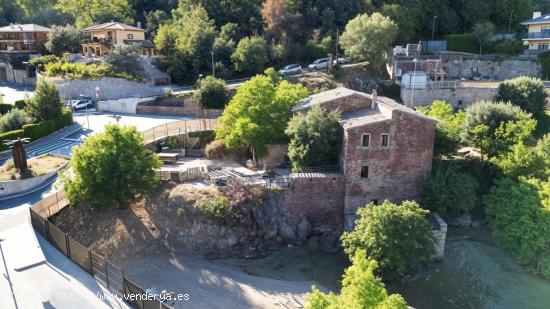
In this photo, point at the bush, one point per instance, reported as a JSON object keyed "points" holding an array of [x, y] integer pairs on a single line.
{"points": [[544, 59], [379, 224], [512, 47], [11, 135], [212, 93], [526, 92], [466, 42], [126, 60], [4, 108], [205, 137], [217, 207], [449, 192], [40, 62], [20, 104], [13, 120], [111, 167], [45, 104], [216, 150], [250, 54], [448, 128], [39, 130]]}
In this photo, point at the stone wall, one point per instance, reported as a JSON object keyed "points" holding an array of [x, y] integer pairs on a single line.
{"points": [[125, 106], [440, 234], [396, 172], [111, 88], [460, 97], [276, 155], [461, 66], [177, 105], [319, 197]]}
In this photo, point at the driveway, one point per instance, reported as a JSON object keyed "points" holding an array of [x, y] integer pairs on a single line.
{"points": [[13, 92], [95, 122]]}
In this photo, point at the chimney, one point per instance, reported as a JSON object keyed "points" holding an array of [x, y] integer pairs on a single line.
{"points": [[139, 24], [536, 14], [374, 98]]}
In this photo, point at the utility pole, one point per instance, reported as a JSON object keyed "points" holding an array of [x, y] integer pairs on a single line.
{"points": [[433, 27], [213, 70], [337, 43], [510, 22]]}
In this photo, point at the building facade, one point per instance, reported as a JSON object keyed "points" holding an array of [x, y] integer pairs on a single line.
{"points": [[387, 148], [23, 39], [104, 37], [538, 35]]}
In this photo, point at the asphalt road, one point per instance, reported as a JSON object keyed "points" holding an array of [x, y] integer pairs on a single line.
{"points": [[13, 92]]}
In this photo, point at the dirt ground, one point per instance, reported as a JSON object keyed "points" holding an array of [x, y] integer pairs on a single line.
{"points": [[37, 166], [221, 284]]}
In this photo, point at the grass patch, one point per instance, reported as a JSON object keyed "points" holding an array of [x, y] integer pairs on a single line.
{"points": [[37, 166]]}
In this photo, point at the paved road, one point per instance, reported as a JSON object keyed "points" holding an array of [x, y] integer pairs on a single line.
{"points": [[13, 92], [98, 120]]}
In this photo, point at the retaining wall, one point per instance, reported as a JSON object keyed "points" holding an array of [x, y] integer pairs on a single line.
{"points": [[460, 97], [460, 66]]}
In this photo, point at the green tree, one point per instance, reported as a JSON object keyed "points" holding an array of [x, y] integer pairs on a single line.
{"points": [[526, 92], [402, 14], [483, 31], [212, 93], [126, 59], [153, 20], [88, 12], [250, 54], [449, 192], [522, 160], [361, 289], [448, 128], [378, 224], [64, 39], [357, 40], [258, 114], [46, 102], [494, 127], [111, 167], [519, 213], [315, 138]]}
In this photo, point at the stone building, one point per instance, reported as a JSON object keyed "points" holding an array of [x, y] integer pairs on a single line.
{"points": [[387, 148]]}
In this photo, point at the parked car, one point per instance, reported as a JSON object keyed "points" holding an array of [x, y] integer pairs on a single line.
{"points": [[342, 60], [319, 64], [81, 103], [290, 69]]}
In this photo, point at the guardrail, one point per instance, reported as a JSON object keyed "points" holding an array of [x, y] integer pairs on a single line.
{"points": [[97, 265]]}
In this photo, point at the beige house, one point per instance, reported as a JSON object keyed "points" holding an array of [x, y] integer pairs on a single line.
{"points": [[23, 39], [104, 37], [538, 36]]}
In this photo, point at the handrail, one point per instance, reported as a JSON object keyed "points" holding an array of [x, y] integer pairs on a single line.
{"points": [[178, 128]]}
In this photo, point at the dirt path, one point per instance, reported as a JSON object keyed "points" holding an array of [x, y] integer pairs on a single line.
{"points": [[214, 286]]}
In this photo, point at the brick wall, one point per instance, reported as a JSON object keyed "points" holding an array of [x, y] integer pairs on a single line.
{"points": [[182, 105], [396, 172], [320, 197], [276, 155]]}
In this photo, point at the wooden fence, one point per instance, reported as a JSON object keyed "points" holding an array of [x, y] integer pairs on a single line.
{"points": [[103, 270]]}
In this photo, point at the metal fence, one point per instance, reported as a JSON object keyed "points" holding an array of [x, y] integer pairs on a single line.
{"points": [[177, 128], [92, 262]]}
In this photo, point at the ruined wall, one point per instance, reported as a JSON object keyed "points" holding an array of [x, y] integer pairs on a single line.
{"points": [[395, 172], [460, 97], [319, 197], [276, 155]]}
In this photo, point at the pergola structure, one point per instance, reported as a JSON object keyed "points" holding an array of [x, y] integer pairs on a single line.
{"points": [[18, 152]]}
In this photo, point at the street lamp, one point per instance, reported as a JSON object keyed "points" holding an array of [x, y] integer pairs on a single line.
{"points": [[433, 27], [213, 72], [413, 83]]}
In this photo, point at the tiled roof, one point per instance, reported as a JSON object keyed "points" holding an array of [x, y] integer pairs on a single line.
{"points": [[542, 19], [326, 96], [113, 26], [24, 28]]}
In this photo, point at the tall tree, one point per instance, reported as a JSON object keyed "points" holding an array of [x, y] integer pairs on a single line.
{"points": [[64, 39], [250, 54], [46, 102], [362, 31], [275, 16], [483, 31], [88, 12]]}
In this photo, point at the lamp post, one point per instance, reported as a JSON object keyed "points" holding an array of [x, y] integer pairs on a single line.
{"points": [[213, 69], [433, 27], [413, 82]]}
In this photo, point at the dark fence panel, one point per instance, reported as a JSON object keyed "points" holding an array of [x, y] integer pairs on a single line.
{"points": [[115, 278], [58, 238], [131, 288], [80, 254], [99, 269], [39, 223]]}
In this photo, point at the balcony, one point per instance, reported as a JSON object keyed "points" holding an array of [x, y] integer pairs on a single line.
{"points": [[537, 35]]}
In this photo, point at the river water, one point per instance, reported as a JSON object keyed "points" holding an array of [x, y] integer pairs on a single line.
{"points": [[474, 274]]}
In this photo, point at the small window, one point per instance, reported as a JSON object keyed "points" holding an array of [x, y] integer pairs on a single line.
{"points": [[365, 141], [365, 172], [385, 140], [375, 202], [130, 36]]}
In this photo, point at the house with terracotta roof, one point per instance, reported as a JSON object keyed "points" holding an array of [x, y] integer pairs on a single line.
{"points": [[23, 38], [386, 151], [104, 37]]}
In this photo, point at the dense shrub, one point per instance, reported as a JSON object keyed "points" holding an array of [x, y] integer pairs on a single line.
{"points": [[512, 47], [525, 92], [125, 59], [449, 192], [20, 104], [377, 224], [13, 120], [40, 62], [448, 128], [217, 207], [466, 42], [544, 59], [205, 137], [41, 129], [11, 135], [250, 54], [4, 108], [216, 150], [212, 93]]}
